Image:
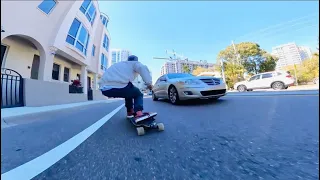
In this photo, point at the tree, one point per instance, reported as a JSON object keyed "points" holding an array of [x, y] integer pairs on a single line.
{"points": [[245, 57], [233, 72], [249, 54], [306, 71], [269, 63], [199, 70], [185, 69]]}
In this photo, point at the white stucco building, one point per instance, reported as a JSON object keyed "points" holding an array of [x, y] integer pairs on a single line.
{"points": [[50, 43], [290, 54]]}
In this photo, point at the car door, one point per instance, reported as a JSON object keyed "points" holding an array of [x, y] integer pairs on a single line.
{"points": [[162, 86], [253, 82], [266, 80], [155, 88]]}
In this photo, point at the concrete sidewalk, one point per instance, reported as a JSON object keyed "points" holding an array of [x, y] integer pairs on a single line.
{"points": [[20, 111]]}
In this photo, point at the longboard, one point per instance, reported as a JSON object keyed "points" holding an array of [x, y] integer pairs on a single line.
{"points": [[148, 123]]}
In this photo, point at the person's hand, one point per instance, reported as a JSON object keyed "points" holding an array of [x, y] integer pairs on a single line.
{"points": [[150, 86]]}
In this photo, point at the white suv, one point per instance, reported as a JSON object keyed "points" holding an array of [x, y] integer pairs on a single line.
{"points": [[276, 80]]}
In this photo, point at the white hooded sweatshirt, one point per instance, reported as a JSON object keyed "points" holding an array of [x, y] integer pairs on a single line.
{"points": [[121, 73]]}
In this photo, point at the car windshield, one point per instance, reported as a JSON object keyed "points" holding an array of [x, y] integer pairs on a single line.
{"points": [[179, 75]]}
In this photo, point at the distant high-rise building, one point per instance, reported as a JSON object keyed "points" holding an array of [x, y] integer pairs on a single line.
{"points": [[288, 54], [118, 55], [305, 52], [177, 66]]}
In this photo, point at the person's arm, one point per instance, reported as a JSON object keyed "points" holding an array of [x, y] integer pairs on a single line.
{"points": [[144, 72]]}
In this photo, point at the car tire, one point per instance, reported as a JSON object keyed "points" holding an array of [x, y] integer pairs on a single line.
{"points": [[173, 95], [242, 88], [154, 98], [278, 85]]}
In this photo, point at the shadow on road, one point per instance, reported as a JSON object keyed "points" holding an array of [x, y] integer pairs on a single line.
{"points": [[196, 102]]}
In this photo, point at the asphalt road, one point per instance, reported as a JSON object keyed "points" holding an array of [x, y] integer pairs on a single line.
{"points": [[237, 137]]}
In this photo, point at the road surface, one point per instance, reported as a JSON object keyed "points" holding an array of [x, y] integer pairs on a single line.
{"points": [[236, 137]]}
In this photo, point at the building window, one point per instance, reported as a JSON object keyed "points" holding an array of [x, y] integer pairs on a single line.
{"points": [[93, 49], [114, 57], [104, 61], [78, 36], [104, 20], [47, 5], [55, 71], [105, 43], [88, 9], [66, 74]]}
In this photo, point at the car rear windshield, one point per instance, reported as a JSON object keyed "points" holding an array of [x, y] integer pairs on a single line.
{"points": [[178, 75]]}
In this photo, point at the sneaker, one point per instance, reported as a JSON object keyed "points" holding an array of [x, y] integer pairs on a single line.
{"points": [[145, 115], [130, 114]]}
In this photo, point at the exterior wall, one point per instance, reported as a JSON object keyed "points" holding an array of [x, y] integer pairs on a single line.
{"points": [[19, 56], [97, 95], [288, 54], [52, 29], [30, 21], [29, 31], [60, 41], [50, 93]]}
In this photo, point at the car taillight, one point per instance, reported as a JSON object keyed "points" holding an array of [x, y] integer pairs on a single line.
{"points": [[288, 76]]}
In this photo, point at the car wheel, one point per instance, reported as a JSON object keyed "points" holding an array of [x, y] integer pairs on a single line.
{"points": [[154, 98], [277, 86], [242, 88], [173, 95]]}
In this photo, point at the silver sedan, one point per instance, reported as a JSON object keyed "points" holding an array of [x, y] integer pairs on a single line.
{"points": [[182, 86]]}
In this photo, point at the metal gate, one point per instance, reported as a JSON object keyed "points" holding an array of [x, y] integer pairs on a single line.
{"points": [[11, 88]]}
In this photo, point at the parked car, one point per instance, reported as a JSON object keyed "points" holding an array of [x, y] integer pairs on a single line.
{"points": [[276, 80], [182, 86]]}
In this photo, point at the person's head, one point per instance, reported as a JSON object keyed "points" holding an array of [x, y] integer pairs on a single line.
{"points": [[132, 58]]}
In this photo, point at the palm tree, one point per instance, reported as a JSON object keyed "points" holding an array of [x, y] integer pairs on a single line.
{"points": [[185, 69]]}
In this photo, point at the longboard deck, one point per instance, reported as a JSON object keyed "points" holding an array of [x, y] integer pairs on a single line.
{"points": [[146, 122]]}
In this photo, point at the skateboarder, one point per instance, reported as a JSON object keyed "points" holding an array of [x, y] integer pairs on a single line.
{"points": [[116, 82]]}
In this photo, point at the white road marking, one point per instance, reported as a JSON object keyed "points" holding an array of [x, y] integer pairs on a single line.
{"points": [[36, 166]]}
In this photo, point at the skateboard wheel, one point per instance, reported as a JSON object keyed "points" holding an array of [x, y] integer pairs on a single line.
{"points": [[140, 131], [160, 126]]}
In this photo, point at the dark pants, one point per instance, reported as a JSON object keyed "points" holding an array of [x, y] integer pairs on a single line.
{"points": [[130, 93]]}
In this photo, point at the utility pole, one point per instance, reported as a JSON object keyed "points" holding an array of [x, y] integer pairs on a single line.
{"points": [[222, 71], [235, 51], [295, 74]]}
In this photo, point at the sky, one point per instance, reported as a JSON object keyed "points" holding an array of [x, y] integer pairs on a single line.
{"points": [[200, 29]]}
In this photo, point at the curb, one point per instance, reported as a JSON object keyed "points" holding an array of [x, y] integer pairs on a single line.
{"points": [[44, 109], [277, 93]]}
